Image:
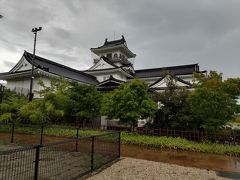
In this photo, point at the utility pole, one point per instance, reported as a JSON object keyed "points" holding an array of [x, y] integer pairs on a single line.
{"points": [[34, 30]]}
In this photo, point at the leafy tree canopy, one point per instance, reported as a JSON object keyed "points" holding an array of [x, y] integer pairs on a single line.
{"points": [[213, 102], [85, 101], [214, 81], [11, 103], [174, 108], [129, 103], [51, 107]]}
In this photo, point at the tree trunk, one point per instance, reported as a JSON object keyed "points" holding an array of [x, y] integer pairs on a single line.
{"points": [[133, 125]]}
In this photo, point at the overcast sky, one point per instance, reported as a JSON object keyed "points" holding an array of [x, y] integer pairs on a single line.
{"points": [[160, 32]]}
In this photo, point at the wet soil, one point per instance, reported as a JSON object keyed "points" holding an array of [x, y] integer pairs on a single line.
{"points": [[184, 158], [26, 139]]}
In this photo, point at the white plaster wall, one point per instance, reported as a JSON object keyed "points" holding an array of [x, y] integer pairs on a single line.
{"points": [[22, 65], [22, 85], [37, 88], [116, 75], [104, 121], [120, 76], [100, 78], [150, 81], [101, 65], [25, 65], [187, 78]]}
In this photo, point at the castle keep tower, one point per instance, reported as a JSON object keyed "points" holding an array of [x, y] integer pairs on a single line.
{"points": [[112, 63], [116, 51]]}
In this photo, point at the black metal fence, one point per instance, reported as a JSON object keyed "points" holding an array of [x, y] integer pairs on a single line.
{"points": [[69, 159], [26, 134], [225, 136]]}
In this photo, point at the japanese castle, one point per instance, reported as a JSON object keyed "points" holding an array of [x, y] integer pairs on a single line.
{"points": [[113, 64]]}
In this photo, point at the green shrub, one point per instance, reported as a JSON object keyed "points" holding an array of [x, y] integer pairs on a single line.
{"points": [[179, 143]]}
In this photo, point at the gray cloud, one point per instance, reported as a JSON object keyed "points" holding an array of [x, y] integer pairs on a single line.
{"points": [[9, 64], [160, 32]]}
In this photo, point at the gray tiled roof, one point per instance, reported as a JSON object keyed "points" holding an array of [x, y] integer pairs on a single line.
{"points": [[159, 72], [59, 69], [113, 43], [174, 77]]}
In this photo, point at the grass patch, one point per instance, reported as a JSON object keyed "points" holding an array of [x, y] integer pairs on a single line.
{"points": [[59, 131], [53, 130], [179, 143]]}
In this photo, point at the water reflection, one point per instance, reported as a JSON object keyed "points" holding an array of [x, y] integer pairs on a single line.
{"points": [[232, 175]]}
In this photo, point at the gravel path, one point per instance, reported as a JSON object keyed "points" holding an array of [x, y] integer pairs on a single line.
{"points": [[136, 169], [6, 147]]}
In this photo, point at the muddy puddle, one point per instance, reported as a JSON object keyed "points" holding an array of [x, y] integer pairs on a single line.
{"points": [[184, 158]]}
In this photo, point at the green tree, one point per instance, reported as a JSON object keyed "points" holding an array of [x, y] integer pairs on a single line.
{"points": [[56, 100], [33, 112], [85, 101], [62, 102], [213, 102], [51, 107], [174, 107], [9, 108], [129, 103]]}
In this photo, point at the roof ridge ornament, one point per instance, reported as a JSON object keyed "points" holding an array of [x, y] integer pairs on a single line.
{"points": [[106, 41], [123, 39]]}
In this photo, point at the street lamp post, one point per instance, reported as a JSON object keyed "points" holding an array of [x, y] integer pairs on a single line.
{"points": [[34, 30]]}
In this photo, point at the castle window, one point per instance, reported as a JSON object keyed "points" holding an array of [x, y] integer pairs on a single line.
{"points": [[109, 55], [115, 56], [122, 56], [105, 78]]}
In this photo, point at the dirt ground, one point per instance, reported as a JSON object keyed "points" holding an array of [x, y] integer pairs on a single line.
{"points": [[154, 163], [59, 161], [136, 169], [5, 147]]}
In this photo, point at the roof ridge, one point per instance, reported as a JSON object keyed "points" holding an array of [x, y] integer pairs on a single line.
{"points": [[102, 69], [122, 40], [173, 76], [58, 64], [106, 59], [166, 67], [111, 78]]}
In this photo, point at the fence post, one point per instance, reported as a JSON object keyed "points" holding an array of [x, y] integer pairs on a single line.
{"points": [[119, 144], [77, 140], [12, 136], [92, 155], [234, 138], [37, 155], [194, 134], [41, 138]]}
